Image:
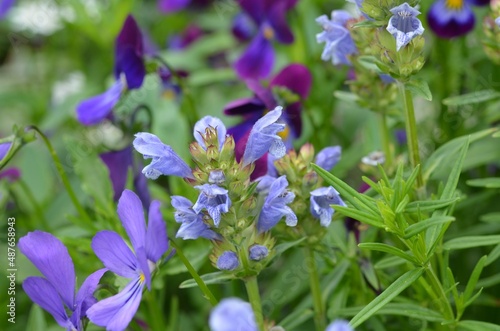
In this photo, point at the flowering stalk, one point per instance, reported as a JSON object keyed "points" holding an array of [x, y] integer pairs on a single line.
{"points": [[252, 287], [319, 308]]}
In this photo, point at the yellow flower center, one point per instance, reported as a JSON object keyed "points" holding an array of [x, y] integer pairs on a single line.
{"points": [[285, 133], [268, 33], [169, 94], [455, 4], [142, 278]]}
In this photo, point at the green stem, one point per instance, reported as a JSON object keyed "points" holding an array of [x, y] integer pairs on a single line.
{"points": [[319, 309], [155, 314], [253, 295], [411, 131], [386, 140], [35, 204], [64, 178], [203, 287], [439, 290]]}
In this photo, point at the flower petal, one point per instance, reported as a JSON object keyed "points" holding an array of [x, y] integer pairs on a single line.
{"points": [[277, 19], [450, 23], [328, 157], [51, 257], [169, 6], [131, 214], [5, 6], [339, 325], [85, 296], [244, 106], [118, 163], [95, 109], [257, 60], [232, 314], [203, 124], [156, 234], [129, 54], [4, 148], [115, 254], [228, 260]]}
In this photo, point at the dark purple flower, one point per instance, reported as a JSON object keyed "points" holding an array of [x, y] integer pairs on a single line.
{"points": [[5, 6], [269, 17], [276, 206], [243, 27], [129, 72], [169, 6], [55, 292], [232, 314], [149, 244], [181, 41], [451, 18], [228, 261], [192, 225], [10, 174]]}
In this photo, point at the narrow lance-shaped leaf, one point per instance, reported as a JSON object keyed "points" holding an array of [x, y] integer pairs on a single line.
{"points": [[389, 249], [472, 241], [425, 224]]}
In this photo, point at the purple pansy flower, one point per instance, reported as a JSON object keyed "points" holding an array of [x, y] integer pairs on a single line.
{"points": [[263, 138], [214, 199], [328, 157], [321, 200], [149, 244], [55, 292], [275, 206], [403, 25], [5, 6], [129, 72], [269, 17], [339, 325], [339, 44], [205, 123], [228, 261], [192, 225], [258, 252], [232, 314], [451, 18], [165, 161]]}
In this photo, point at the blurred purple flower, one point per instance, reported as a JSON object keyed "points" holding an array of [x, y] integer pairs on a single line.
{"points": [[10, 174], [275, 206], [328, 157], [258, 252], [170, 6], [403, 25], [339, 325], [214, 199], [401, 136], [449, 19], [232, 314], [228, 261], [192, 225], [129, 72], [269, 17], [149, 244], [181, 41], [55, 292], [5, 6], [165, 161], [339, 44], [321, 200], [243, 27]]}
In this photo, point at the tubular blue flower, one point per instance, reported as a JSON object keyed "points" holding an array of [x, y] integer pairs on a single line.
{"points": [[206, 122], [451, 18], [129, 72], [149, 244], [232, 314], [228, 261], [270, 19], [165, 161], [263, 138], [321, 200], [216, 177], [403, 25], [4, 149], [214, 199], [192, 225], [328, 157], [258, 252], [275, 206], [56, 289], [5, 6], [339, 325], [339, 44]]}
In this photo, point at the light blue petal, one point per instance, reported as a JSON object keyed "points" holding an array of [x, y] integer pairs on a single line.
{"points": [[203, 124], [232, 314]]}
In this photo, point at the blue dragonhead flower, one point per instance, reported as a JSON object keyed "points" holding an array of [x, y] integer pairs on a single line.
{"points": [[258, 252], [263, 138], [403, 25], [165, 161], [192, 225], [232, 314], [339, 43], [214, 199], [328, 157], [228, 261], [202, 125], [321, 200], [275, 206], [55, 291], [149, 244], [339, 325]]}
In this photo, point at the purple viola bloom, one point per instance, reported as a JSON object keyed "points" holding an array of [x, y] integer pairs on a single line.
{"points": [[232, 314], [403, 25], [214, 199], [258, 252], [269, 17], [169, 6], [149, 244], [181, 41], [263, 138], [339, 325], [192, 225], [10, 174], [275, 206], [4, 149], [243, 27], [449, 19], [321, 200], [5, 6], [205, 123], [328, 157], [339, 44], [56, 290], [129, 71], [228, 261], [165, 161]]}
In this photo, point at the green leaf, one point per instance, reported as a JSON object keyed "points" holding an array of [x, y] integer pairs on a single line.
{"points": [[390, 250], [389, 262], [491, 217], [281, 248], [398, 286], [472, 98], [472, 241], [368, 24], [474, 277], [423, 225], [36, 319], [218, 277], [420, 88], [360, 216], [477, 325], [400, 309], [493, 256], [346, 96], [428, 206], [492, 182], [488, 282]]}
